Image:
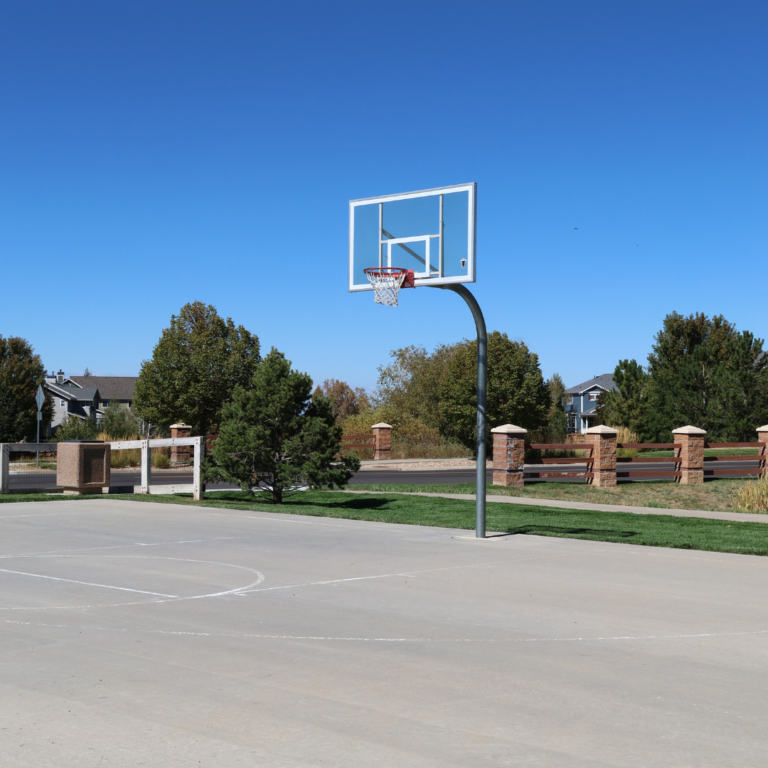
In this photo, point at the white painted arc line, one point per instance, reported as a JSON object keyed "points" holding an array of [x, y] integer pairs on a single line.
{"points": [[363, 578], [87, 583]]}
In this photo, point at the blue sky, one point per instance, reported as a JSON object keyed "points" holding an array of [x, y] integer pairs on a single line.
{"points": [[157, 153]]}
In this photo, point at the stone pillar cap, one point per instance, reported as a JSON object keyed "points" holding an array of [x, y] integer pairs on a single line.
{"points": [[510, 429], [381, 425], [177, 426], [689, 430], [764, 428], [601, 430]]}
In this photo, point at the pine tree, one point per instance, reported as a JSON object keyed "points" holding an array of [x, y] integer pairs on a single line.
{"points": [[627, 407], [276, 431]]}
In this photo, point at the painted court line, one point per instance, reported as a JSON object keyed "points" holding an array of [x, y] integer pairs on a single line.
{"points": [[363, 578], [86, 583], [357, 639]]}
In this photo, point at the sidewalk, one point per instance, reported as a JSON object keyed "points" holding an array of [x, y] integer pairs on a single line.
{"points": [[740, 517]]}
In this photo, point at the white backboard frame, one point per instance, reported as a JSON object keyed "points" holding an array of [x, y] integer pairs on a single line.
{"points": [[434, 272]]}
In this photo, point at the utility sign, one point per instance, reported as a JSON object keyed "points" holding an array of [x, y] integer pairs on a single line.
{"points": [[40, 397]]}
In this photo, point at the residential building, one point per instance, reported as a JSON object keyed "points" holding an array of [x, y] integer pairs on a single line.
{"points": [[581, 401], [86, 396]]}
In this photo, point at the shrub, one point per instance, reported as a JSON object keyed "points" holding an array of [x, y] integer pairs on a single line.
{"points": [[74, 428], [119, 423]]}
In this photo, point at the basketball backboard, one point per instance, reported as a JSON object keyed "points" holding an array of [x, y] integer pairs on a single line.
{"points": [[431, 232]]}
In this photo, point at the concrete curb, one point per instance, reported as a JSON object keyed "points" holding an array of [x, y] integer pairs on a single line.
{"points": [[740, 517]]}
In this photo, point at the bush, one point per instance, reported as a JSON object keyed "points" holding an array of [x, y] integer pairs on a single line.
{"points": [[119, 423], [74, 428]]}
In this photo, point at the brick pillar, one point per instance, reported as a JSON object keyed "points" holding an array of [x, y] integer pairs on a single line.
{"points": [[181, 453], [603, 443], [382, 434], [762, 436], [509, 455], [689, 447]]}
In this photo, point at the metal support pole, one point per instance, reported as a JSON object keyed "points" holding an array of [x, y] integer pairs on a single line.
{"points": [[482, 381]]}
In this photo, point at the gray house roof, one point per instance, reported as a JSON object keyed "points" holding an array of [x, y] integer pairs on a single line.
{"points": [[604, 381], [110, 387], [70, 392]]}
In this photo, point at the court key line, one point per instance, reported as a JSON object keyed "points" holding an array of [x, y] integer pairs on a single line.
{"points": [[167, 598], [86, 583]]}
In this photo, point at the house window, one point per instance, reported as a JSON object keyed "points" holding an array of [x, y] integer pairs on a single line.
{"points": [[593, 396], [63, 403]]}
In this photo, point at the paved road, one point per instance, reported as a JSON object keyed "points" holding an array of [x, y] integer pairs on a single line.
{"points": [[159, 635], [368, 477]]}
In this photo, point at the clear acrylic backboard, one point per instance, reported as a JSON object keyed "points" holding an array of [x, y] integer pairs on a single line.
{"points": [[431, 232]]}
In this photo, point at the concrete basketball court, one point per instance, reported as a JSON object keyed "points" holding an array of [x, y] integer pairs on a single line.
{"points": [[162, 635]]}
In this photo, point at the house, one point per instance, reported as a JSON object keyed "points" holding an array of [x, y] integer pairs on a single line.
{"points": [[86, 396], [581, 401]]}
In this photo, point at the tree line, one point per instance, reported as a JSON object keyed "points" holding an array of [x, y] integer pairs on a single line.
{"points": [[701, 371], [431, 397]]}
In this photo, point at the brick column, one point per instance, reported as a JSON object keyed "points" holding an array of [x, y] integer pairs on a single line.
{"points": [[602, 440], [689, 447], [762, 436], [382, 434], [509, 455], [181, 453]]}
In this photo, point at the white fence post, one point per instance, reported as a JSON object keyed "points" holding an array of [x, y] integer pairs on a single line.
{"points": [[5, 456], [198, 467], [146, 466]]}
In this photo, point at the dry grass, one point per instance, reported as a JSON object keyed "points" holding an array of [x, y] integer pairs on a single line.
{"points": [[407, 449], [753, 496], [131, 457], [412, 449]]}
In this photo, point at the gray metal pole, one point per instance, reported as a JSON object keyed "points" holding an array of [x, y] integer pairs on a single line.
{"points": [[482, 382]]}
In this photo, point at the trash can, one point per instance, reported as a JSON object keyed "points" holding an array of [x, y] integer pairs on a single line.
{"points": [[82, 466]]}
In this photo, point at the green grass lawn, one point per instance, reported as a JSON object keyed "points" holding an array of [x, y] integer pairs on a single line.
{"points": [[707, 452], [715, 495], [645, 530]]}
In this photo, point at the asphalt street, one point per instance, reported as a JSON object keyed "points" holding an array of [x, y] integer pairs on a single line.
{"points": [[126, 480]]}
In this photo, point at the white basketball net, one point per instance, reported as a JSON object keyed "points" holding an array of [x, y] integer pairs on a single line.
{"points": [[386, 284]]}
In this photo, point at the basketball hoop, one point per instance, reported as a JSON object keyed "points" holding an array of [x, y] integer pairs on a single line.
{"points": [[387, 281]]}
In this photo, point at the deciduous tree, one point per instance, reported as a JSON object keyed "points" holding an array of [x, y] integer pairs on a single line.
{"points": [[516, 393], [346, 400], [21, 373], [198, 362]]}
